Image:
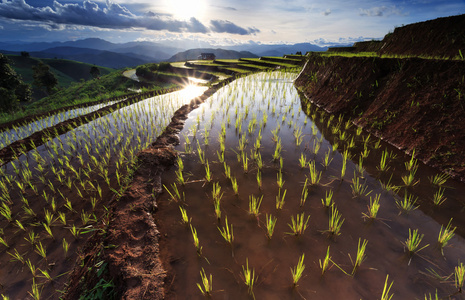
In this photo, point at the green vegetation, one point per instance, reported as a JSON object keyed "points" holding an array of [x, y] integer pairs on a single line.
{"points": [[66, 71], [104, 87], [12, 88]]}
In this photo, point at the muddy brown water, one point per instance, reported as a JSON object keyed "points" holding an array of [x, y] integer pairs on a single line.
{"points": [[273, 95], [101, 143]]}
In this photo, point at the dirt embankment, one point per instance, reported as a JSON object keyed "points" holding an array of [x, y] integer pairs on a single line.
{"points": [[442, 37], [411, 103], [130, 243]]}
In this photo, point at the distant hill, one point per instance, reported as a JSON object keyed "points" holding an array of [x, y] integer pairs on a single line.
{"points": [[277, 50], [146, 51], [119, 55], [92, 56], [193, 54], [66, 71]]}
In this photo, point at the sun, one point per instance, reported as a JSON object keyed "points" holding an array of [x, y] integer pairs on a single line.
{"points": [[186, 9]]}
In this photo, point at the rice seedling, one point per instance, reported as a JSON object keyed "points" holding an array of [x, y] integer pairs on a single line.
{"points": [[459, 276], [65, 246], [180, 177], [248, 277], [345, 156], [383, 164], [304, 194], [335, 222], [315, 175], [445, 235], [201, 154], [196, 240], [389, 187], [5, 211], [279, 179], [227, 170], [277, 151], [184, 218], [365, 153], [328, 200], [76, 232], [48, 230], [227, 232], [208, 173], [327, 159], [245, 162], [409, 180], [270, 223], [235, 186], [16, 256], [242, 144], [259, 161], [360, 257], [32, 268], [298, 271], [358, 188], [434, 297], [217, 207], [4, 242], [439, 180], [373, 207], [302, 161], [386, 290], [412, 164], [254, 205], [438, 197], [41, 250], [407, 204], [298, 225], [377, 145], [413, 242], [280, 199], [220, 154], [36, 291], [175, 194], [206, 287], [324, 264], [298, 135], [316, 147]]}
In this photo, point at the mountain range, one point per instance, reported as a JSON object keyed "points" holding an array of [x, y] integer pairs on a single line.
{"points": [[119, 55]]}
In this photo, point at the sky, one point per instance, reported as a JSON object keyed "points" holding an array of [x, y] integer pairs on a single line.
{"points": [[215, 22]]}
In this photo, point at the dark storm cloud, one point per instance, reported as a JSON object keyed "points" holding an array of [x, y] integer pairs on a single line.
{"points": [[111, 16], [221, 26]]}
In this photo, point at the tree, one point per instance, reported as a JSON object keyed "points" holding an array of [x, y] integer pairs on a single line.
{"points": [[94, 71], [25, 54], [12, 88], [43, 78]]}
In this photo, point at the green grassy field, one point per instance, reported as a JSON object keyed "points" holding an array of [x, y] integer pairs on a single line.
{"points": [[66, 71]]}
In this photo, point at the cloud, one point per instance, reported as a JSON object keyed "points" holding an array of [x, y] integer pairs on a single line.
{"points": [[110, 16], [221, 26], [380, 11], [225, 7], [326, 12]]}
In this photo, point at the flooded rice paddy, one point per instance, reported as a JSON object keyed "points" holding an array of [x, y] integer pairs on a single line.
{"points": [[55, 196], [274, 199]]}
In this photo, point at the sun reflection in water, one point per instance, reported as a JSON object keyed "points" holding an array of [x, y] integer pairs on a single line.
{"points": [[192, 91]]}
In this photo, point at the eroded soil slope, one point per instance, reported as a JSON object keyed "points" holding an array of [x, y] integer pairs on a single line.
{"points": [[412, 103], [442, 37]]}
